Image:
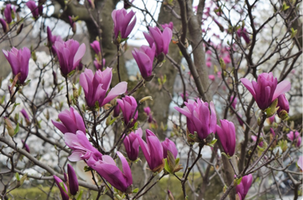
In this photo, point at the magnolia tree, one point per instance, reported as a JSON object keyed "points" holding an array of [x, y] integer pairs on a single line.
{"points": [[234, 131]]}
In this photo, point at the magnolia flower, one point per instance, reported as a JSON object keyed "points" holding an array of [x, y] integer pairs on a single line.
{"points": [[95, 46], [25, 115], [18, 59], [64, 195], [72, 24], [69, 54], [169, 145], [72, 180], [266, 89], [201, 117], [82, 148], [227, 136], [294, 137], [8, 12], [71, 121], [128, 105], [161, 40], [4, 25], [254, 138], [108, 169], [131, 144], [145, 58], [36, 10], [169, 25], [242, 32], [283, 105], [211, 77], [122, 23], [149, 114], [96, 85], [244, 186], [152, 150]]}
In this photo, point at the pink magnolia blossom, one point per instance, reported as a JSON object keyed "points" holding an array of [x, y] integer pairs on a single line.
{"points": [[242, 32], [169, 25], [243, 187], [149, 114], [8, 12], [4, 25], [36, 10], [201, 117], [169, 145], [72, 180], [128, 105], [227, 136], [96, 85], [295, 137], [161, 40], [211, 77], [25, 115], [131, 144], [283, 105], [266, 89], [81, 147], [122, 23], [71, 121], [64, 195], [108, 169], [19, 60], [254, 138], [69, 54], [153, 151], [95, 46], [145, 58]]}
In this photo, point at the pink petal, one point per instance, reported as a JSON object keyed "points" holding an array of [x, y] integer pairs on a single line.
{"points": [[282, 87], [119, 89]]}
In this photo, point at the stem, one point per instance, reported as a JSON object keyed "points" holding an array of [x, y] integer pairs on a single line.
{"points": [[190, 168], [67, 95], [231, 186], [151, 178], [151, 186], [257, 143], [118, 69], [10, 101]]}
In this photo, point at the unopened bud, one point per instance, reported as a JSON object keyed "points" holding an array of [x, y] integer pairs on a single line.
{"points": [[145, 99], [19, 29], [75, 92], [222, 64], [170, 195], [9, 127], [283, 115]]}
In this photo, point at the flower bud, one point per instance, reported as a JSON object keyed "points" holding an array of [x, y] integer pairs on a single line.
{"points": [[9, 127], [72, 180]]}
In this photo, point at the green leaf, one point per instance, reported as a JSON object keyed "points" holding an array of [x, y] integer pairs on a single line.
{"points": [[2, 99], [80, 195], [171, 161], [17, 176], [136, 190], [164, 79], [62, 186], [166, 166], [212, 143], [238, 180], [112, 121]]}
